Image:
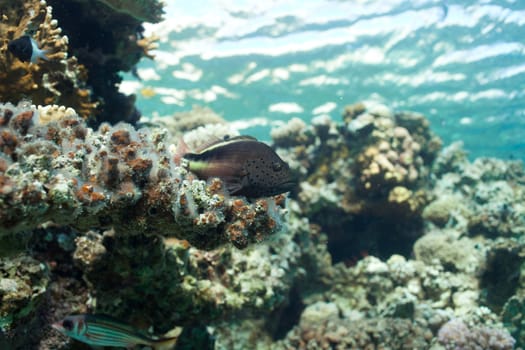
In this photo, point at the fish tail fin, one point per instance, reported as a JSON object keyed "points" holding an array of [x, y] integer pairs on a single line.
{"points": [[169, 342], [165, 344], [40, 54], [44, 55], [181, 150]]}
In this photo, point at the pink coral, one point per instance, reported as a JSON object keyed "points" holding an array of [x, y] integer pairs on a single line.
{"points": [[456, 335]]}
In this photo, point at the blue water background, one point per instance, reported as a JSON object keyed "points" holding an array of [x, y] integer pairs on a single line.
{"points": [[461, 63]]}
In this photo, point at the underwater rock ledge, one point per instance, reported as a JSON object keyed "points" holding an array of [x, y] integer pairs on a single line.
{"points": [[54, 168], [456, 282]]}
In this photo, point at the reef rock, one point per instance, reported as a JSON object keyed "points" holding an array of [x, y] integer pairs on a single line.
{"points": [[119, 177], [365, 180]]}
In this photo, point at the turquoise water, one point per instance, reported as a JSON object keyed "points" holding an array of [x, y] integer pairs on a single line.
{"points": [[461, 63]]}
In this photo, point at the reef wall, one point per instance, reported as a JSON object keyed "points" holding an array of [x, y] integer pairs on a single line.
{"points": [[104, 221]]}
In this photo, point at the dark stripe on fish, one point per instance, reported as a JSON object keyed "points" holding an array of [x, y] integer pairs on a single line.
{"points": [[101, 330]]}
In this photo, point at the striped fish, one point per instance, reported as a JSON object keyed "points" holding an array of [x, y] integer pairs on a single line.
{"points": [[101, 330]]}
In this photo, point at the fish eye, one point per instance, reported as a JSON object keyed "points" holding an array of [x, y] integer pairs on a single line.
{"points": [[68, 325], [276, 166]]}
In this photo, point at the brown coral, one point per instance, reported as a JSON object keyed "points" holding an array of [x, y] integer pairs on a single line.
{"points": [[107, 40], [60, 80]]}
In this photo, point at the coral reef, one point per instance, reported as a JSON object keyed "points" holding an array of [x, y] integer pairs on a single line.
{"points": [[59, 80], [366, 179], [387, 244], [460, 272], [69, 174], [85, 54], [204, 286], [107, 39], [23, 284]]}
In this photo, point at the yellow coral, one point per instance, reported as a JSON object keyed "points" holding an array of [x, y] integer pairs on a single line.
{"points": [[51, 113], [399, 194]]}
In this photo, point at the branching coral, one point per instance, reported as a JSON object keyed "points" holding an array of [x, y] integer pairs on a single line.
{"points": [[60, 80], [60, 170], [107, 40], [82, 70]]}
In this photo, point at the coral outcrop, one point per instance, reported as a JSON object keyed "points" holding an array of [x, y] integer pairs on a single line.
{"points": [[107, 37], [366, 179], [23, 286], [117, 176], [437, 262], [87, 47], [59, 80], [184, 285]]}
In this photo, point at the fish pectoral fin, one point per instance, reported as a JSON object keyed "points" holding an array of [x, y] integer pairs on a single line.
{"points": [[170, 340], [166, 344], [233, 187]]}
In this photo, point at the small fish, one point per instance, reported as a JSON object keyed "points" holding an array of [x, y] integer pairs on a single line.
{"points": [[101, 330], [247, 167], [26, 49]]}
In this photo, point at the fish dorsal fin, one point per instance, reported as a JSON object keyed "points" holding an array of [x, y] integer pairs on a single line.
{"points": [[216, 141], [212, 140]]}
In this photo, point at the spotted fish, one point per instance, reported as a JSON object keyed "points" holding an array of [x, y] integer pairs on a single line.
{"points": [[248, 167]]}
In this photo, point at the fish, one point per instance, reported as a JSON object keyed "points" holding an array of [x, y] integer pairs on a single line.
{"points": [[246, 166], [102, 330], [26, 49]]}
